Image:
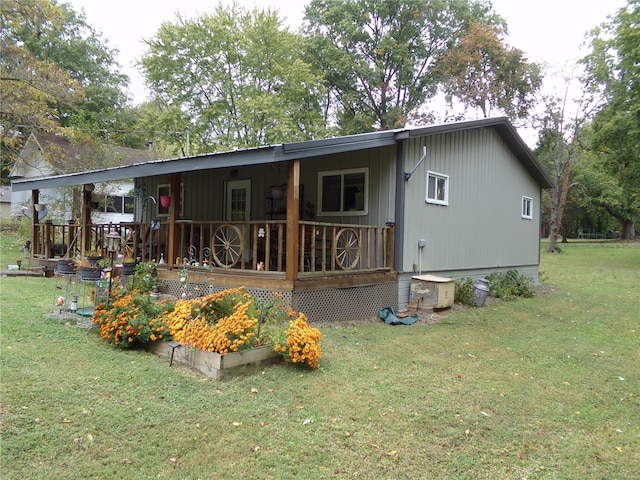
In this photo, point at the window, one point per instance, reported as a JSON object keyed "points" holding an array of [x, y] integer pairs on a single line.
{"points": [[527, 208], [115, 203], [437, 188], [343, 192], [164, 191]]}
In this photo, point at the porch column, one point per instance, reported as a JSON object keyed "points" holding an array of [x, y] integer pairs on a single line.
{"points": [[35, 247], [85, 221], [174, 211], [293, 219]]}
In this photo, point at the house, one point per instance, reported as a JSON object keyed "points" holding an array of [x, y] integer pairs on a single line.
{"points": [[5, 202], [46, 155], [337, 226]]}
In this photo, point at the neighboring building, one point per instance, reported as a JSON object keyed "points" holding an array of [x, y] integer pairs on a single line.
{"points": [[45, 155], [5, 202], [339, 226]]}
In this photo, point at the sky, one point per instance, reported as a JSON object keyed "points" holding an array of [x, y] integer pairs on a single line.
{"points": [[550, 32]]}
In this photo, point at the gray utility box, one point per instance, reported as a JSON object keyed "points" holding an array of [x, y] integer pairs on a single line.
{"points": [[429, 291]]}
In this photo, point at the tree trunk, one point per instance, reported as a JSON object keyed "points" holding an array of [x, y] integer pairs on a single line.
{"points": [[628, 230], [553, 220], [558, 201]]}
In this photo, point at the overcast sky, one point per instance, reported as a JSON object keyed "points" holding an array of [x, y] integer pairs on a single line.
{"points": [[548, 31]]}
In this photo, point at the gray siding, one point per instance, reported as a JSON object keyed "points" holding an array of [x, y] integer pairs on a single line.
{"points": [[481, 229], [380, 163], [204, 190]]}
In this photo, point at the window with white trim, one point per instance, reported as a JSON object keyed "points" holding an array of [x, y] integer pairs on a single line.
{"points": [[527, 208], [437, 188], [343, 192]]}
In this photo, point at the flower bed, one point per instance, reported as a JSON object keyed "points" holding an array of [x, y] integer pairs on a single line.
{"points": [[226, 330]]}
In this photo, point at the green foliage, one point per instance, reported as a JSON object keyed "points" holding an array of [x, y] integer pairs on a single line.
{"points": [[238, 77], [611, 179], [144, 278], [132, 320], [378, 58], [33, 88], [56, 72], [464, 291], [214, 307], [484, 73], [510, 285]]}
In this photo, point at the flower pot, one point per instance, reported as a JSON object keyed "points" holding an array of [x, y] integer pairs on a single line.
{"points": [[66, 267], [128, 268], [165, 200], [93, 260], [90, 273], [39, 207]]}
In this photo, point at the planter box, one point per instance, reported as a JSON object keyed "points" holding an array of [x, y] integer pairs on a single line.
{"points": [[216, 366]]}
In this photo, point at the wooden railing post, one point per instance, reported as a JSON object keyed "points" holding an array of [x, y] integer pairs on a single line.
{"points": [[293, 220], [35, 229], [174, 210], [389, 247], [85, 222]]}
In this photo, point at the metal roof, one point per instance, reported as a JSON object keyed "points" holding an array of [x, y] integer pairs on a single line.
{"points": [[286, 152]]}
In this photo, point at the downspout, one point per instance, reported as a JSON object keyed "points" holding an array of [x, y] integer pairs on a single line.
{"points": [[399, 206]]}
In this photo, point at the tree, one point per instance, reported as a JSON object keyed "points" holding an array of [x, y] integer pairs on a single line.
{"points": [[238, 76], [32, 90], [80, 50], [482, 72], [558, 149], [613, 176], [378, 57], [57, 75]]}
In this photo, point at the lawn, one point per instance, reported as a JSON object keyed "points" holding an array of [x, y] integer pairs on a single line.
{"points": [[544, 388]]}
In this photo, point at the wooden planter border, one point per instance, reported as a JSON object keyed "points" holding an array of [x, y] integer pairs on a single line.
{"points": [[216, 366]]}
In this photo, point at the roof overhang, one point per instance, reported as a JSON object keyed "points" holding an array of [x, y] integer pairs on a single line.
{"points": [[283, 153], [507, 133]]}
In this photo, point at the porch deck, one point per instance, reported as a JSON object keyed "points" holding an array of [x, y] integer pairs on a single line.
{"points": [[334, 264]]}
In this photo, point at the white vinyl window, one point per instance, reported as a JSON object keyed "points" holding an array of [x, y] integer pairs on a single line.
{"points": [[527, 208], [437, 188], [343, 192]]}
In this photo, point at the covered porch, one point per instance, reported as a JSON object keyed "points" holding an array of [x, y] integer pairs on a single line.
{"points": [[316, 266]]}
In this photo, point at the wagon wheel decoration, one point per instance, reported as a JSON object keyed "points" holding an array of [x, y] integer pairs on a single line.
{"points": [[347, 248], [129, 243], [227, 245]]}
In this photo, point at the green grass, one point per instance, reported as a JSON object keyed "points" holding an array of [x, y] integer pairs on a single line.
{"points": [[544, 388]]}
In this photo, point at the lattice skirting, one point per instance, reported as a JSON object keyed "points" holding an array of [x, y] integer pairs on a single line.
{"points": [[331, 305], [335, 305]]}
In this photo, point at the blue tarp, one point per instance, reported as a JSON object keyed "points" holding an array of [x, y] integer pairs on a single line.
{"points": [[389, 316]]}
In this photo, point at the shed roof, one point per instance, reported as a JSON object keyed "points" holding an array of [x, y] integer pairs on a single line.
{"points": [[290, 151]]}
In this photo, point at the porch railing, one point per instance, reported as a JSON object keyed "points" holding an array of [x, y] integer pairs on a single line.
{"points": [[253, 245]]}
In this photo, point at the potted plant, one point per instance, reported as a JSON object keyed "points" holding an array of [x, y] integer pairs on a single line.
{"points": [[89, 270], [66, 267], [128, 265], [93, 256]]}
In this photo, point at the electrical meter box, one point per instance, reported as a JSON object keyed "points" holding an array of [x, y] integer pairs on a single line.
{"points": [[429, 291]]}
